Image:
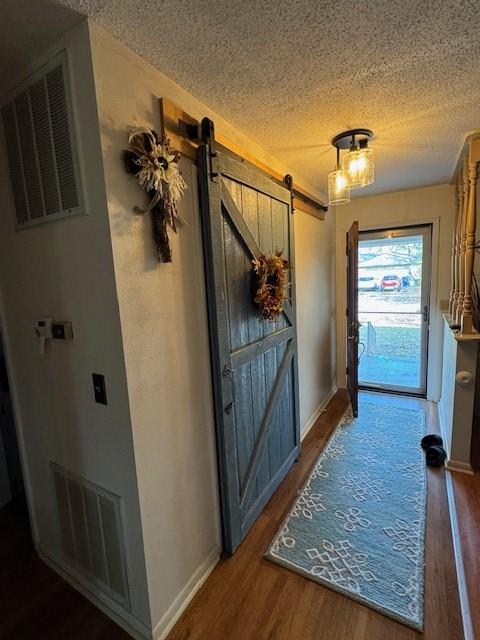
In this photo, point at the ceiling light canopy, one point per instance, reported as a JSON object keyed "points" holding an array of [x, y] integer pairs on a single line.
{"points": [[357, 168]]}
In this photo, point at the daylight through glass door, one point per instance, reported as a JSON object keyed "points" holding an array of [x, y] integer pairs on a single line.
{"points": [[393, 296]]}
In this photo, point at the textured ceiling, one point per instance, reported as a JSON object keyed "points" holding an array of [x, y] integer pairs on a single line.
{"points": [[293, 74], [28, 27]]}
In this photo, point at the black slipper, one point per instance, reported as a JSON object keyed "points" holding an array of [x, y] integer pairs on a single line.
{"points": [[435, 456], [431, 438]]}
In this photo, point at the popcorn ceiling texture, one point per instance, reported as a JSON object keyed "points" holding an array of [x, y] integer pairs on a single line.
{"points": [[293, 74]]}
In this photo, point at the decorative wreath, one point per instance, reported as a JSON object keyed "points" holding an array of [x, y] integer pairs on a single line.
{"points": [[270, 284], [155, 164]]}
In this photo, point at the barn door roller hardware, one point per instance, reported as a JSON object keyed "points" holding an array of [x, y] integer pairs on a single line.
{"points": [[303, 197], [203, 133], [186, 133], [208, 137]]}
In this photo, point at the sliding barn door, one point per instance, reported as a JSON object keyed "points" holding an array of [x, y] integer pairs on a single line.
{"points": [[254, 362]]}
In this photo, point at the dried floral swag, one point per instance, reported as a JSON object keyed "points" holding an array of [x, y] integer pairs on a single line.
{"points": [[270, 284], [156, 166]]}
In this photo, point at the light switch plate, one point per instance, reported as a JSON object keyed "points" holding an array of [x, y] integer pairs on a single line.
{"points": [[99, 388]]}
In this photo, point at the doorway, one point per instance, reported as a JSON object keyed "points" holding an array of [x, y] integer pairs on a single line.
{"points": [[12, 491], [394, 268]]}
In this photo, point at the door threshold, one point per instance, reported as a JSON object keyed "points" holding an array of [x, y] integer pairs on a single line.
{"points": [[395, 392]]}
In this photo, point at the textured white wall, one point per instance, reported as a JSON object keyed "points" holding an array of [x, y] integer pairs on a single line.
{"points": [[165, 337], [314, 265], [429, 204], [65, 269]]}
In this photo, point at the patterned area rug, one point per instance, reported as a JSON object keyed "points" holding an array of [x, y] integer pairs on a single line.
{"points": [[358, 525]]}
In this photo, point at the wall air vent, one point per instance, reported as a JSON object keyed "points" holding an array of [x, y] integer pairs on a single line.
{"points": [[92, 532], [41, 147]]}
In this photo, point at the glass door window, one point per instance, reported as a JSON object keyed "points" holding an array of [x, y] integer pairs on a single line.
{"points": [[393, 295]]}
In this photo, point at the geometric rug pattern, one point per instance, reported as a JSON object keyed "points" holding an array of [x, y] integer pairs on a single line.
{"points": [[358, 524]]}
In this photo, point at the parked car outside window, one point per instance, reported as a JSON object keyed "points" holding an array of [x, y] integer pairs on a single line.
{"points": [[367, 283], [391, 283]]}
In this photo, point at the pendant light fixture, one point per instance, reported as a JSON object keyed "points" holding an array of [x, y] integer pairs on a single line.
{"points": [[357, 168]]}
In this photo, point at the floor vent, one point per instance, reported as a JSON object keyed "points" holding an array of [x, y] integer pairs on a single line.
{"points": [[92, 532], [41, 147]]}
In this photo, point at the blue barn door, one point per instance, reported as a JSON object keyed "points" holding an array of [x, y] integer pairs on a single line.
{"points": [[254, 362]]}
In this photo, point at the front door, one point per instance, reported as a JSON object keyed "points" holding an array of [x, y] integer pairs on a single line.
{"points": [[254, 362], [394, 308], [352, 316]]}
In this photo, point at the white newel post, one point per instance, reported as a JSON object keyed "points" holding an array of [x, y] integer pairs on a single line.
{"points": [[461, 247], [470, 227], [453, 301], [458, 396]]}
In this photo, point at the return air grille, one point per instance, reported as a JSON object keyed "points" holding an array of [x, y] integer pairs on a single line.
{"points": [[41, 149], [91, 530]]}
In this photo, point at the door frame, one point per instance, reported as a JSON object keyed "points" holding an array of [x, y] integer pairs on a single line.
{"points": [[353, 326], [434, 378], [18, 425], [405, 231]]}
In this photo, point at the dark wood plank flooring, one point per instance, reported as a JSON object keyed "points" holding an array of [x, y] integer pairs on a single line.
{"points": [[247, 597], [467, 500], [35, 603]]}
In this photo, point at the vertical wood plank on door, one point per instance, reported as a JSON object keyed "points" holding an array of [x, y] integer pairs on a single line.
{"points": [[265, 240], [256, 332], [280, 240], [238, 314], [280, 421]]}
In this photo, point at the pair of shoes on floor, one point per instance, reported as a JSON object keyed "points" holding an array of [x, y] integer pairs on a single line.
{"points": [[435, 454]]}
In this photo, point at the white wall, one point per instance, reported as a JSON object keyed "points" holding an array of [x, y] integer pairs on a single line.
{"points": [[165, 332], [165, 336], [426, 205], [65, 269], [314, 266]]}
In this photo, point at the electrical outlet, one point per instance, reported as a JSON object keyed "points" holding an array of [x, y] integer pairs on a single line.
{"points": [[62, 331]]}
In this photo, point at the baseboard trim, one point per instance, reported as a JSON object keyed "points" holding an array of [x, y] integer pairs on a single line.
{"points": [[459, 467], [120, 616], [183, 599], [316, 414], [457, 550], [123, 618]]}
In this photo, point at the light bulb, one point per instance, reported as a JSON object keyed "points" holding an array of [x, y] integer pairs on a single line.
{"points": [[338, 188], [359, 168]]}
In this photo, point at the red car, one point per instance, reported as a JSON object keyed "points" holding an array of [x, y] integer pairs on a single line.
{"points": [[390, 283]]}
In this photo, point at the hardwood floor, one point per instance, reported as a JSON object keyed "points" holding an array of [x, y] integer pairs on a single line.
{"points": [[467, 499], [247, 597], [35, 603]]}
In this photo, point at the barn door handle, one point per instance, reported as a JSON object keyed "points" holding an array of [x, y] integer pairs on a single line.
{"points": [[228, 374]]}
